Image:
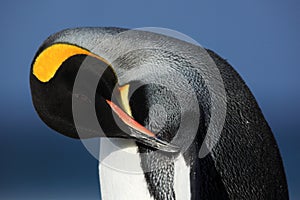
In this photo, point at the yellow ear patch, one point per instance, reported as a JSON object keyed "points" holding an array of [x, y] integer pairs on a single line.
{"points": [[48, 62], [124, 91]]}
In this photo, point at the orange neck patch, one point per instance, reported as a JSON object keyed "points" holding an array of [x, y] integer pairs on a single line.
{"points": [[48, 62]]}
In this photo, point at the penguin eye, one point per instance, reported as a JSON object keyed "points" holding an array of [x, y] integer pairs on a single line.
{"points": [[68, 71], [107, 83]]}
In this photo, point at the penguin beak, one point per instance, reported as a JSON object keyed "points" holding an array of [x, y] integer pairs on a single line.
{"points": [[137, 131]]}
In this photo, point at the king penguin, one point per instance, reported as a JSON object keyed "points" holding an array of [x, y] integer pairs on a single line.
{"points": [[133, 84]]}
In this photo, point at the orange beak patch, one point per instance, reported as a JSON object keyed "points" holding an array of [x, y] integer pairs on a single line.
{"points": [[129, 120]]}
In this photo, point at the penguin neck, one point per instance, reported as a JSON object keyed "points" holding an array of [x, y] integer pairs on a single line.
{"points": [[130, 171], [167, 176]]}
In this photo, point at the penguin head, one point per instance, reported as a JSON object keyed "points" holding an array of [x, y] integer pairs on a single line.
{"points": [[52, 94], [68, 73]]}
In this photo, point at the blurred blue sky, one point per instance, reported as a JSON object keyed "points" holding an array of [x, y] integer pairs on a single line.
{"points": [[259, 38]]}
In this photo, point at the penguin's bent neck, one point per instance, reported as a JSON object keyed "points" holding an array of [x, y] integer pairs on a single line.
{"points": [[123, 175]]}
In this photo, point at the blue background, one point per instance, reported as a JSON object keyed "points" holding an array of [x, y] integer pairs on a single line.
{"points": [[259, 38]]}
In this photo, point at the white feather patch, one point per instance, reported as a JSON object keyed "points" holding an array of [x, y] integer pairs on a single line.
{"points": [[182, 183], [120, 174]]}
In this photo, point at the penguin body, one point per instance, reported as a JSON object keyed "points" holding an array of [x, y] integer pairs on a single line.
{"points": [[245, 163], [129, 185], [132, 184]]}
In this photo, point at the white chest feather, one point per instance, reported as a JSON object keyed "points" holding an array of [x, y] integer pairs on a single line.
{"points": [[182, 182], [121, 176]]}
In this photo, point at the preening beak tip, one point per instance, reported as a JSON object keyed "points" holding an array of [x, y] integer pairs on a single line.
{"points": [[128, 120], [142, 134]]}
